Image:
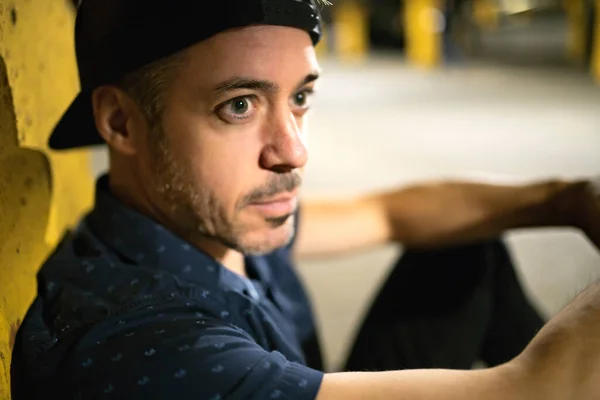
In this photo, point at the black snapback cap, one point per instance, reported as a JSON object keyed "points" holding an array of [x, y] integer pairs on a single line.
{"points": [[116, 37]]}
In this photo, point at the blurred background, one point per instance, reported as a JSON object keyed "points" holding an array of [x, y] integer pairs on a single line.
{"points": [[413, 90]]}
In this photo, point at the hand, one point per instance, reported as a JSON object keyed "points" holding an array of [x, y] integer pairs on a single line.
{"points": [[589, 218]]}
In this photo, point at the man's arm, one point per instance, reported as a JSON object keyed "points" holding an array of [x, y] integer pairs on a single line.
{"points": [[436, 214], [176, 356], [562, 362]]}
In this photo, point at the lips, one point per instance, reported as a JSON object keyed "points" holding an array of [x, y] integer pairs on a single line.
{"points": [[277, 199], [277, 206]]}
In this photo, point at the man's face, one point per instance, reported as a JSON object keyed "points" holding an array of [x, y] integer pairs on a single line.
{"points": [[232, 142]]}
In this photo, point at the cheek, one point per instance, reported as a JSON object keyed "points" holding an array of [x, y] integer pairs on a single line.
{"points": [[224, 164]]}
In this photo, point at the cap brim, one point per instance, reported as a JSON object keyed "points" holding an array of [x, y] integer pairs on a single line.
{"points": [[76, 127]]}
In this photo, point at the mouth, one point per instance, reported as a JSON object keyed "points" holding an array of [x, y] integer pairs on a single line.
{"points": [[277, 206]]}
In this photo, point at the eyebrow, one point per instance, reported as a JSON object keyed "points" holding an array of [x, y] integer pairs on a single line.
{"points": [[238, 82]]}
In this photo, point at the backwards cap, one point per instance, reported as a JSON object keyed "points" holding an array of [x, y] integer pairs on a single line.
{"points": [[116, 37]]}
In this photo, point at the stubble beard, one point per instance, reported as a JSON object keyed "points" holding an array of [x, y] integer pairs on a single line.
{"points": [[198, 213]]}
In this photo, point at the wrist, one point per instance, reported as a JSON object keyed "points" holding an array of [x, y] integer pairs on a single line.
{"points": [[570, 200]]}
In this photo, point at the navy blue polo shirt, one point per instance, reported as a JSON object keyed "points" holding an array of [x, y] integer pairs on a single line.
{"points": [[126, 309]]}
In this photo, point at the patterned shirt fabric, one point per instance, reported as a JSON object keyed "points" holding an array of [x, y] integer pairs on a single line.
{"points": [[126, 309]]}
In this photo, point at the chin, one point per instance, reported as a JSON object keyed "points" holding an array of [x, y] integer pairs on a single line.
{"points": [[268, 239]]}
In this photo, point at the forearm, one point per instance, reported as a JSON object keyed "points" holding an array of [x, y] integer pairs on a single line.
{"points": [[500, 383], [341, 225], [434, 215], [567, 349], [458, 212]]}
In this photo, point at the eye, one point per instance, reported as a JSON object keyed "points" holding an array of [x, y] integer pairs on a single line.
{"points": [[240, 106], [302, 99], [237, 109]]}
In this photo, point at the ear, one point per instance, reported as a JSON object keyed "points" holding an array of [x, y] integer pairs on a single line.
{"points": [[118, 120]]}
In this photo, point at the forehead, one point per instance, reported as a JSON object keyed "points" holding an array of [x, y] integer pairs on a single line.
{"points": [[262, 52]]}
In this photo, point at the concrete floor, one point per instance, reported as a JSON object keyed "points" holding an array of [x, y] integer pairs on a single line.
{"points": [[382, 124]]}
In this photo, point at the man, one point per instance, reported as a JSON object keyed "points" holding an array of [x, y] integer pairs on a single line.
{"points": [[178, 284]]}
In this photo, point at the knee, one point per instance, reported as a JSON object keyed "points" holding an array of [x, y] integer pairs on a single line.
{"points": [[481, 250], [466, 262]]}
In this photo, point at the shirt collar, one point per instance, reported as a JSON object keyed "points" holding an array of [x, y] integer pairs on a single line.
{"points": [[141, 241]]}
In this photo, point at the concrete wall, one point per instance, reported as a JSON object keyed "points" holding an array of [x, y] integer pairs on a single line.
{"points": [[41, 192]]}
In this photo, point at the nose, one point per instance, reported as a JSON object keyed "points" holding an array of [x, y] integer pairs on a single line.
{"points": [[285, 148]]}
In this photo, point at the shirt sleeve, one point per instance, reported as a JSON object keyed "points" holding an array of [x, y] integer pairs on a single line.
{"points": [[188, 359]]}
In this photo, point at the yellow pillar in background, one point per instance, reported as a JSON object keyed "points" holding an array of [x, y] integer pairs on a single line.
{"points": [[322, 48], [351, 25], [486, 14], [424, 23], [595, 67], [41, 192], [577, 24]]}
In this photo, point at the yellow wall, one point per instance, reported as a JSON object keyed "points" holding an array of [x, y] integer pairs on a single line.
{"points": [[40, 192]]}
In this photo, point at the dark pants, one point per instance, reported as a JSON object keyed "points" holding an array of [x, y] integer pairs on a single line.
{"points": [[447, 309]]}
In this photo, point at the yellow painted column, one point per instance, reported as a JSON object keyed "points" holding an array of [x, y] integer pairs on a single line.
{"points": [[595, 67], [351, 24], [486, 14], [41, 192], [577, 24], [323, 49], [423, 21]]}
